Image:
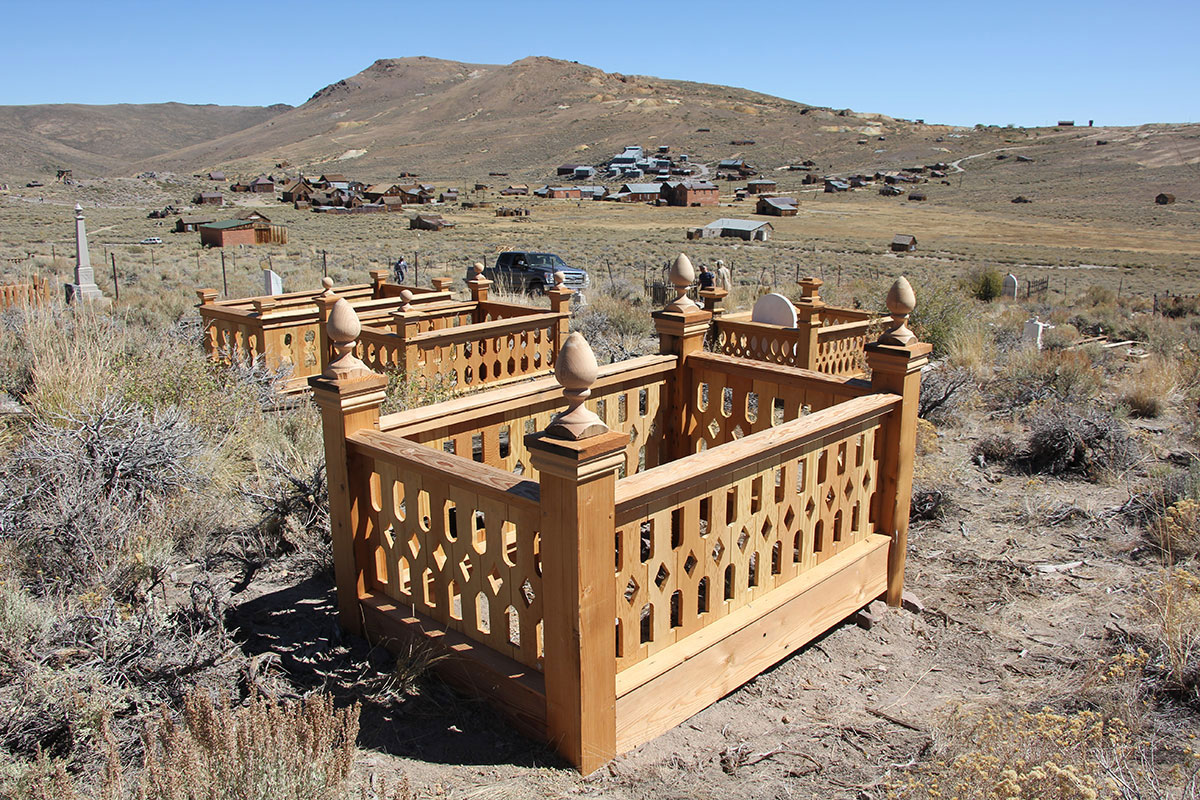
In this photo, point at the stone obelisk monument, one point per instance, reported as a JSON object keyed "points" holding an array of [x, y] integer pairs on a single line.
{"points": [[84, 289]]}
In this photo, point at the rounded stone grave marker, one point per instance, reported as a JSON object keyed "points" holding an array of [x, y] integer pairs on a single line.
{"points": [[774, 309]]}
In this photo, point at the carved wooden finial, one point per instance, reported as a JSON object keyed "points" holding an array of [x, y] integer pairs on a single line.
{"points": [[327, 284], [810, 287], [901, 300], [343, 328], [407, 296], [560, 278], [478, 270], [682, 275], [576, 371]]}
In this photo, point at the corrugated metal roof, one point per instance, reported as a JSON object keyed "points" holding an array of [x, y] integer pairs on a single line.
{"points": [[641, 188], [737, 224], [229, 224]]}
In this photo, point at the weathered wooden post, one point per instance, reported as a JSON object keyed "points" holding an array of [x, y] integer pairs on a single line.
{"points": [[714, 300], [560, 303], [378, 279], [808, 322], [207, 296], [263, 308], [896, 361], [406, 323], [349, 396], [681, 328], [577, 457]]}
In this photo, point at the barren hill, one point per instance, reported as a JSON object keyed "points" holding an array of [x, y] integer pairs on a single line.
{"points": [[451, 119], [107, 140]]}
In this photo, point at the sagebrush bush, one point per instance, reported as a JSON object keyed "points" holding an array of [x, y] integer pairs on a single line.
{"points": [[1086, 441], [1171, 611], [941, 312], [1030, 375], [984, 284]]}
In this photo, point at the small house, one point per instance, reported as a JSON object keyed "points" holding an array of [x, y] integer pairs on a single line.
{"points": [[251, 214], [563, 193], [638, 193], [376, 192], [191, 224], [761, 186], [593, 192], [227, 233], [1164, 199], [748, 229], [917, 196], [262, 185], [216, 176], [891, 191], [832, 185], [209, 199], [776, 206], [391, 203], [429, 222], [904, 243], [298, 190], [448, 196], [690, 194], [515, 189]]}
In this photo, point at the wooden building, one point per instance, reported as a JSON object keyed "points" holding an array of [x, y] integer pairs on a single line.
{"points": [[564, 193], [691, 193], [262, 185], [776, 206], [761, 186], [637, 193], [229, 232], [191, 224], [904, 243], [429, 222], [209, 199], [748, 229], [297, 190]]}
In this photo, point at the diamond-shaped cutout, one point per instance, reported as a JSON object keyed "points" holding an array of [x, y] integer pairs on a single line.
{"points": [[766, 529], [743, 537], [809, 508], [662, 576], [527, 594], [631, 590], [849, 487], [737, 432], [414, 545], [689, 565], [713, 429], [867, 481], [829, 497], [439, 557], [495, 581], [789, 518], [718, 550], [466, 568], [633, 433]]}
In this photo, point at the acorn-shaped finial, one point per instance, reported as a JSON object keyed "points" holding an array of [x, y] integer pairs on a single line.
{"points": [[575, 369], [682, 275], [342, 328], [406, 295], [901, 300]]}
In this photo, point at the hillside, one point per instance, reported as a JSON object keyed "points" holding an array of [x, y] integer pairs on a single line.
{"points": [[111, 140]]}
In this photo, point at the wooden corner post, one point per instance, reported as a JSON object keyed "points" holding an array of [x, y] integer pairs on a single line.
{"points": [[896, 361], [808, 321], [349, 396], [681, 328], [208, 297], [479, 285], [577, 457], [560, 303], [378, 279]]}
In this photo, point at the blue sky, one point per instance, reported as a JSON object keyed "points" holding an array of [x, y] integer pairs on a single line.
{"points": [[1026, 63]]}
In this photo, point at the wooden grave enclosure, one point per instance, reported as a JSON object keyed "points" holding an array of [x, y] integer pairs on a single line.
{"points": [[35, 293], [826, 339], [418, 331], [604, 553]]}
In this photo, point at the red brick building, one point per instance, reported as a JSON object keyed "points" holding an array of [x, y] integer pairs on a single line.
{"points": [[227, 233], [564, 192], [691, 193]]}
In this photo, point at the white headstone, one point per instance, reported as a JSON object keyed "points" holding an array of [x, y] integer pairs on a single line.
{"points": [[1009, 289], [1033, 332], [272, 283], [84, 288], [774, 309]]}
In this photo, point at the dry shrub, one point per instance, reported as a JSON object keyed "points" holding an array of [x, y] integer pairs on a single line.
{"points": [[1044, 755], [1031, 375], [264, 749], [945, 391], [1179, 529], [995, 449], [1084, 441], [615, 329], [1171, 613], [1145, 393]]}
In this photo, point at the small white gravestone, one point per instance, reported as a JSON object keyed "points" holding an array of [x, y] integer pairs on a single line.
{"points": [[1009, 290], [1033, 332], [774, 309], [272, 283]]}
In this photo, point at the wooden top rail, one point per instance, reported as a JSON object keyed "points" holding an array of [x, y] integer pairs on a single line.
{"points": [[838, 385], [483, 330], [484, 480], [474, 410], [499, 310], [288, 299], [634, 493], [844, 329], [835, 315]]}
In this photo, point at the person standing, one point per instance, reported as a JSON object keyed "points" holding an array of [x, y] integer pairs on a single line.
{"points": [[724, 280], [400, 269], [707, 279]]}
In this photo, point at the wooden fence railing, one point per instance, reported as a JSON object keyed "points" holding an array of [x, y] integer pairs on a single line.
{"points": [[35, 293], [604, 561], [826, 339]]}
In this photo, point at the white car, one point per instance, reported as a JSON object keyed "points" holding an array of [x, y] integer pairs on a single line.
{"points": [[151, 240]]}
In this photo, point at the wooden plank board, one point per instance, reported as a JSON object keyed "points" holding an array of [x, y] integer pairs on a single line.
{"points": [[661, 692], [841, 386]]}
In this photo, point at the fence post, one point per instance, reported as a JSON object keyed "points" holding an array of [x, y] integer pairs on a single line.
{"points": [[560, 303], [207, 296], [808, 322], [406, 322], [681, 328], [577, 457], [479, 285], [378, 279], [349, 396], [896, 361], [714, 301], [442, 284], [325, 302], [263, 307]]}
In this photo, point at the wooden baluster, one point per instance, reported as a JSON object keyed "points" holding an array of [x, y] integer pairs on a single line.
{"points": [[349, 396], [681, 328], [577, 458], [896, 361]]}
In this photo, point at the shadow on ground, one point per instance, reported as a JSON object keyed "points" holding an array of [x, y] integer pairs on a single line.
{"points": [[293, 640]]}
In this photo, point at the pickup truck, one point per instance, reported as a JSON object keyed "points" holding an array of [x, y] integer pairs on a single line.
{"points": [[532, 273]]}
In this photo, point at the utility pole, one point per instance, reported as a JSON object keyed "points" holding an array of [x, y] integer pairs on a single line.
{"points": [[224, 278], [116, 285]]}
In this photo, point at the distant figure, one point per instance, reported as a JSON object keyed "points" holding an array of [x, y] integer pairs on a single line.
{"points": [[707, 279], [399, 269], [724, 281]]}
